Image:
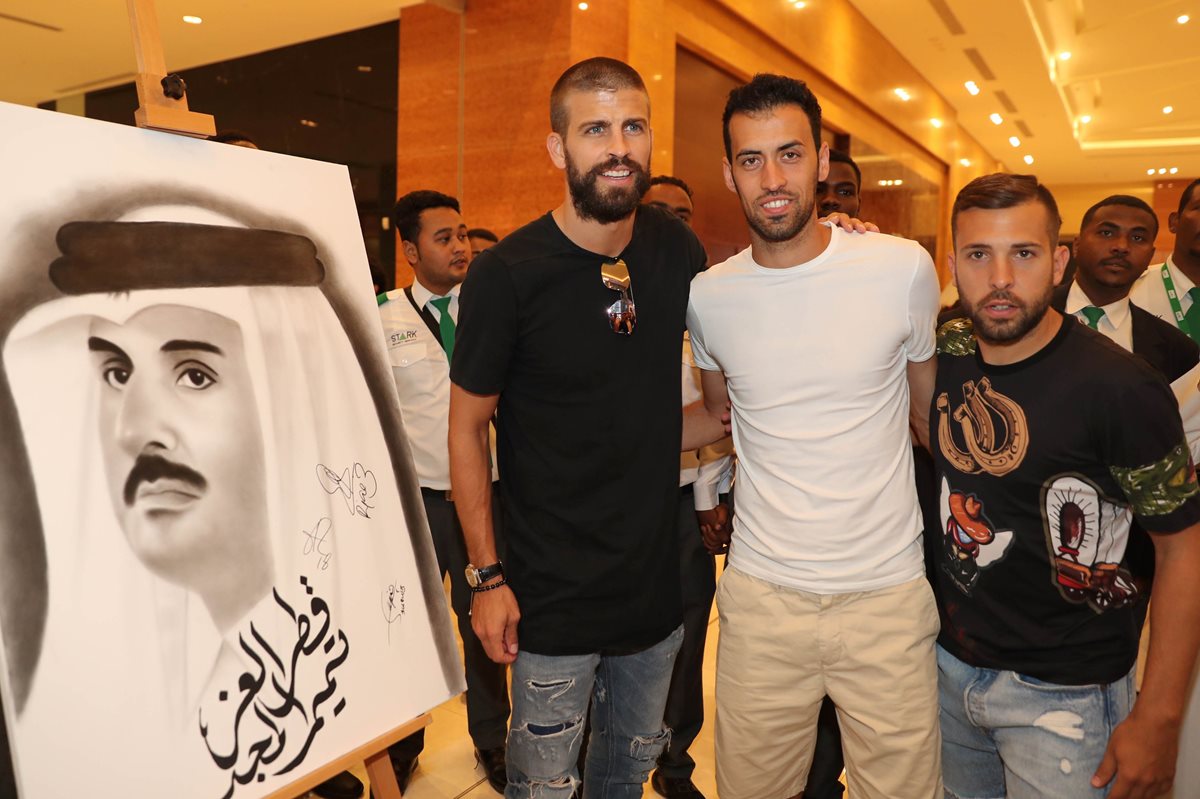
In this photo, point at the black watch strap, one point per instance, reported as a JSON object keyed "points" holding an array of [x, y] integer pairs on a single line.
{"points": [[483, 575]]}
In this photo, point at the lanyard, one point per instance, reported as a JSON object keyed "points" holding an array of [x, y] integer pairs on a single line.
{"points": [[1176, 308]]}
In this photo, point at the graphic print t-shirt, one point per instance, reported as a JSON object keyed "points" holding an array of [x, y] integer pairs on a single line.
{"points": [[1042, 466]]}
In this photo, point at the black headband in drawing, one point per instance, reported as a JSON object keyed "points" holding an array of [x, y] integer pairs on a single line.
{"points": [[134, 256]]}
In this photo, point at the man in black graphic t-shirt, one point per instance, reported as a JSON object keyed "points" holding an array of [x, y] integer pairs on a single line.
{"points": [[570, 331], [1049, 441]]}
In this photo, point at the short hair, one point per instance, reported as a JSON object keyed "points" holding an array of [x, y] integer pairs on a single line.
{"points": [[1119, 199], [1002, 190], [671, 180], [842, 158], [483, 233], [765, 92], [592, 75], [231, 136], [1186, 197], [406, 215]]}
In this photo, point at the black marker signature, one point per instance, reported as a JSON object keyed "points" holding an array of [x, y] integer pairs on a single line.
{"points": [[314, 541], [356, 484], [392, 603]]}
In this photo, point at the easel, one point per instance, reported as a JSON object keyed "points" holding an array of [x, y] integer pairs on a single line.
{"points": [[162, 105]]}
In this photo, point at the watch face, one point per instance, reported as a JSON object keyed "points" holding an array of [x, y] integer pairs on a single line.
{"points": [[472, 576]]}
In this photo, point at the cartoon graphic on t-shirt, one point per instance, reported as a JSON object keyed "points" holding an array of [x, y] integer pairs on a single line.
{"points": [[993, 430], [971, 542], [1087, 535]]}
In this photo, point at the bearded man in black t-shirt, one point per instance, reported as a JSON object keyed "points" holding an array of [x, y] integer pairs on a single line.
{"points": [[569, 334], [1050, 441]]}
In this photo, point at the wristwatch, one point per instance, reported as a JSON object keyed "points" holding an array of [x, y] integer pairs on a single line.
{"points": [[477, 577]]}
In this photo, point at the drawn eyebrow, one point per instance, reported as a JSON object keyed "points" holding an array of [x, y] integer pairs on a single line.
{"points": [[97, 344], [179, 345]]}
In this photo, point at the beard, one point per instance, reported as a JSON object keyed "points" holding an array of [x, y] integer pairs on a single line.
{"points": [[784, 228], [1007, 331], [605, 207]]}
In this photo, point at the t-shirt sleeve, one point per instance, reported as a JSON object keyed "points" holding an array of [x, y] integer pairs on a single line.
{"points": [[923, 295], [487, 327], [1143, 443], [696, 333]]}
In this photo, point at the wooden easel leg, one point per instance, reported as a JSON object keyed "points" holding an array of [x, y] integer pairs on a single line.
{"points": [[383, 779]]}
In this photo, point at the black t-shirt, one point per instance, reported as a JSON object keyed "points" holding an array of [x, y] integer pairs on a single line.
{"points": [[588, 428], [1042, 466]]}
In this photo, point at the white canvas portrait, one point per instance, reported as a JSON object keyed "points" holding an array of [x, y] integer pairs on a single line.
{"points": [[220, 577]]}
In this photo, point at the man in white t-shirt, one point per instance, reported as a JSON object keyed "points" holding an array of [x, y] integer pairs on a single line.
{"points": [[818, 338]]}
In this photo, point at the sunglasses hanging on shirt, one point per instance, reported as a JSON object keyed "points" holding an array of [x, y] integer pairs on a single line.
{"points": [[622, 315]]}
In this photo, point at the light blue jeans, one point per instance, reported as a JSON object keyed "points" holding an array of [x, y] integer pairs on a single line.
{"points": [[550, 698], [1008, 735]]}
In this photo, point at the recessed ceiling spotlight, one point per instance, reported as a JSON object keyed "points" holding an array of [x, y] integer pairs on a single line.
{"points": [[996, 119], [964, 161], [1065, 55], [1168, 109], [1173, 170], [799, 4], [937, 123], [364, 67], [1014, 141], [1162, 171], [308, 123], [899, 182], [972, 88], [902, 94], [583, 6], [1183, 19], [1085, 119], [191, 19], [1150, 171], [1028, 159]]}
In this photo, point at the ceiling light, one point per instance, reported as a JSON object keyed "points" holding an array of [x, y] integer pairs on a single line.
{"points": [[1014, 141], [1183, 19], [1168, 109], [308, 123], [972, 88], [1086, 118], [1162, 171], [583, 6], [898, 182], [1065, 55], [1173, 170], [799, 4], [937, 123], [964, 161], [192, 20], [1028, 159], [1150, 171], [902, 94], [364, 67], [996, 119]]}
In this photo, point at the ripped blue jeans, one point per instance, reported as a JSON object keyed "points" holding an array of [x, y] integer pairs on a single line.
{"points": [[550, 697], [1008, 735]]}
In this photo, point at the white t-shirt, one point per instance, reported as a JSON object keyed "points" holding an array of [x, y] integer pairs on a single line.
{"points": [[815, 357]]}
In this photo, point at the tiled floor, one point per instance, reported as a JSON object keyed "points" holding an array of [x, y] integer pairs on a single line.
{"points": [[447, 766]]}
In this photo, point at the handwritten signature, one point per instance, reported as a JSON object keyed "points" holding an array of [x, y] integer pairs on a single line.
{"points": [[392, 603], [314, 541], [356, 484]]}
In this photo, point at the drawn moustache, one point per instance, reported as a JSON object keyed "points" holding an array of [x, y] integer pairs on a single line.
{"points": [[148, 468]]}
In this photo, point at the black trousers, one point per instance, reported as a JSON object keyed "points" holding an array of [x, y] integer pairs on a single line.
{"points": [[685, 700], [487, 686]]}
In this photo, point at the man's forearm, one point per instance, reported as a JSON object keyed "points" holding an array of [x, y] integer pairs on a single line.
{"points": [[471, 485], [1174, 626], [701, 427]]}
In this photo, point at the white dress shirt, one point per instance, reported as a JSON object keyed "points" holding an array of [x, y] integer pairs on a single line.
{"points": [[1149, 293], [422, 374], [1116, 323]]}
